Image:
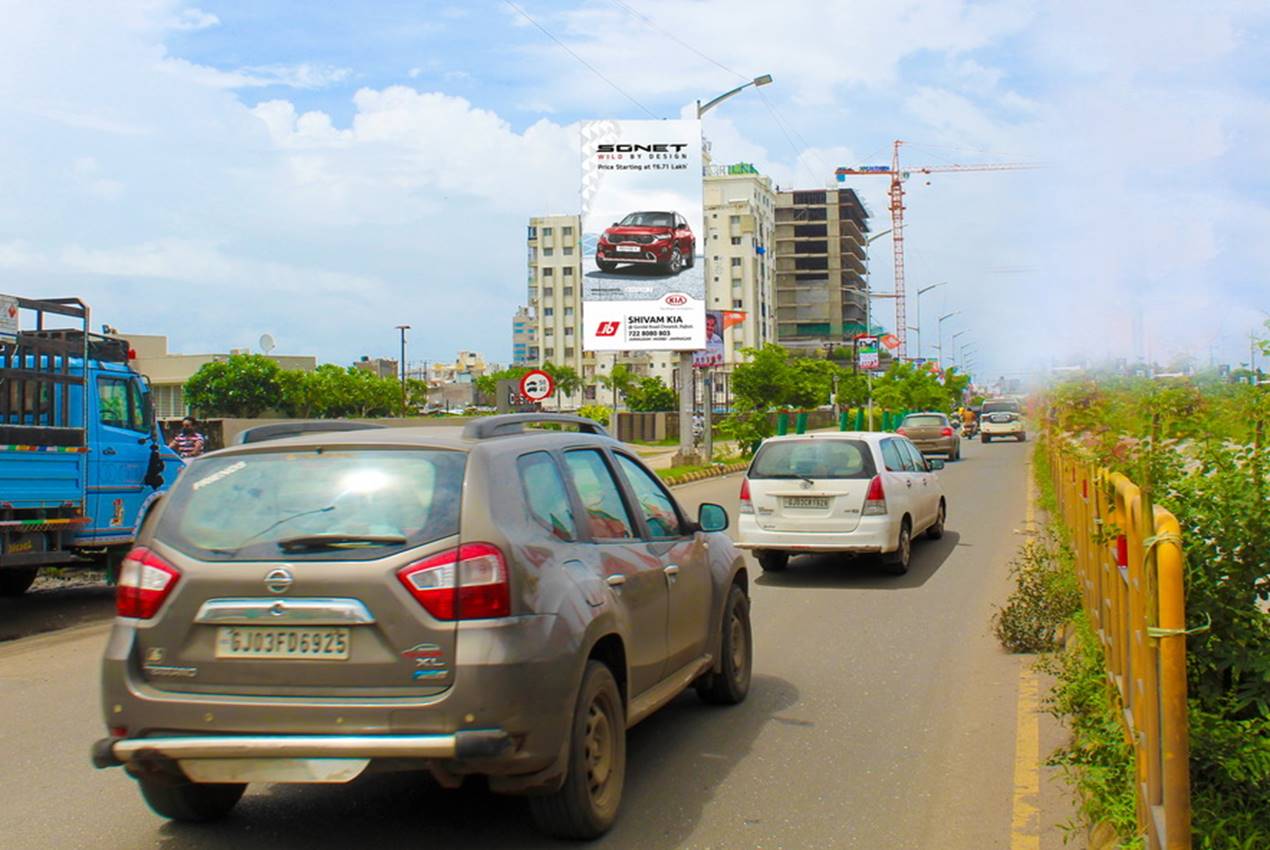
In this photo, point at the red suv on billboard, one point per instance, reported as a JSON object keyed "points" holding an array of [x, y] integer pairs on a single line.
{"points": [[649, 238]]}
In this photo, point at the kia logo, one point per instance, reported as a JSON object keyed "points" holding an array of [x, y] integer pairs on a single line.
{"points": [[278, 581], [676, 299]]}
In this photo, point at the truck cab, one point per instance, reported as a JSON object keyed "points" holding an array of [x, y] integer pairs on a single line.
{"points": [[80, 457]]}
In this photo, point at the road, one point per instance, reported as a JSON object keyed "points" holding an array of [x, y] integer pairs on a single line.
{"points": [[882, 715]]}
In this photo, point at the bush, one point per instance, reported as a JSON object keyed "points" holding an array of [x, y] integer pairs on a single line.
{"points": [[1098, 760], [595, 412], [1045, 596]]}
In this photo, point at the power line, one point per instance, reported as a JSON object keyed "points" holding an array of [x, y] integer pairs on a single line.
{"points": [[678, 40], [585, 63]]}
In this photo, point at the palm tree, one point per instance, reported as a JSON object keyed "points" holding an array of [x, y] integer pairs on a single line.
{"points": [[566, 379], [620, 380]]}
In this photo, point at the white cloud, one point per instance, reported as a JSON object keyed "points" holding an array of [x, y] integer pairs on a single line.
{"points": [[301, 76], [194, 19]]}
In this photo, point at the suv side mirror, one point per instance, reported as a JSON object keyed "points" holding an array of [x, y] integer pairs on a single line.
{"points": [[712, 517]]}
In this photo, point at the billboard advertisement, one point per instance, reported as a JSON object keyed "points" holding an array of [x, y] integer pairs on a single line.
{"points": [[643, 280], [867, 351]]}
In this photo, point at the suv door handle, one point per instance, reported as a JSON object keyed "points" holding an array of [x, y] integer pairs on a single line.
{"points": [[909, 482], [615, 580], [672, 573]]}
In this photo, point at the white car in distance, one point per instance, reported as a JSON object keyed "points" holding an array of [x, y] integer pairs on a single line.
{"points": [[844, 491]]}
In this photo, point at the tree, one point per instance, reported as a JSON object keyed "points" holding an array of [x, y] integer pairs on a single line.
{"points": [[245, 385], [487, 385], [566, 379], [650, 395], [775, 378], [620, 380]]}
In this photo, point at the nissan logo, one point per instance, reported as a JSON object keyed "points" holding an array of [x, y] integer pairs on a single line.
{"points": [[279, 580], [676, 299]]}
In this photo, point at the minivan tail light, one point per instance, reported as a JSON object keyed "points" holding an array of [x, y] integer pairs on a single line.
{"points": [[747, 507], [468, 583], [875, 498], [145, 581]]}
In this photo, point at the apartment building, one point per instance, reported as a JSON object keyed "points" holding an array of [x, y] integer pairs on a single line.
{"points": [[524, 338], [820, 255], [555, 289]]}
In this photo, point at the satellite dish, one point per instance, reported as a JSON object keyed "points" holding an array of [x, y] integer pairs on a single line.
{"points": [[267, 343]]}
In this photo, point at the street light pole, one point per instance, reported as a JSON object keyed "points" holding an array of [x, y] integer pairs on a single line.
{"points": [[403, 329], [919, 312], [868, 320], [939, 331], [687, 381], [954, 341]]}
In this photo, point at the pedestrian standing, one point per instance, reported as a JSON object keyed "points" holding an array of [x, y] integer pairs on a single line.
{"points": [[188, 442]]}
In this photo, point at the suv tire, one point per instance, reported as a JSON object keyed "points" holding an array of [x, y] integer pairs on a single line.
{"points": [[675, 262], [605, 266], [984, 438], [730, 685], [14, 582], [586, 804], [897, 562], [177, 798], [772, 561]]}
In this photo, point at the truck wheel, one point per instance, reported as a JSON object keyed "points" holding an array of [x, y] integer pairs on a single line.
{"points": [[897, 562], [772, 561], [736, 647], [14, 582], [586, 805], [177, 798]]}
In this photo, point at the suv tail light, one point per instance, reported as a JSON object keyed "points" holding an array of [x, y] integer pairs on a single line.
{"points": [[468, 583], [875, 498], [747, 507], [901, 432], [947, 432], [145, 581]]}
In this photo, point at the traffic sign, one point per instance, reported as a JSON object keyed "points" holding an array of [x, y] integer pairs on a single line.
{"points": [[537, 385]]}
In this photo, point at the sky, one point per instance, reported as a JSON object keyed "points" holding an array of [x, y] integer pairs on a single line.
{"points": [[324, 172]]}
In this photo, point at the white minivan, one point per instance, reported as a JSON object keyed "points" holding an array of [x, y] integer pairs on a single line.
{"points": [[843, 491]]}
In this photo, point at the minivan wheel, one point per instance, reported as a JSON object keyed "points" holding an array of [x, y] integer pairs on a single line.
{"points": [[897, 562], [936, 531], [772, 561], [586, 805], [177, 798], [730, 685]]}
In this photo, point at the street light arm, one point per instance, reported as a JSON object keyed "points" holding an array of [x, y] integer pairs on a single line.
{"points": [[703, 108]]}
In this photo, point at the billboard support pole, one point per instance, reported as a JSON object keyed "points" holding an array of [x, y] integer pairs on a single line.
{"points": [[687, 455]]}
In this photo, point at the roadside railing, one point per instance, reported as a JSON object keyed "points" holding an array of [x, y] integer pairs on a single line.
{"points": [[1129, 564]]}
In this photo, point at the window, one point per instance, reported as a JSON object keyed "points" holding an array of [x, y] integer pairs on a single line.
{"points": [[736, 219], [914, 455], [566, 231], [568, 311], [546, 233], [736, 240], [568, 250], [548, 272], [568, 352], [548, 252], [547, 311], [568, 271], [736, 262], [814, 458], [548, 330], [568, 331], [599, 494], [568, 290], [548, 292], [654, 502], [545, 495], [737, 303], [891, 456], [120, 404]]}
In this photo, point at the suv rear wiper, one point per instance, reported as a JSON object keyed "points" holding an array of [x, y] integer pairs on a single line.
{"points": [[335, 541]]}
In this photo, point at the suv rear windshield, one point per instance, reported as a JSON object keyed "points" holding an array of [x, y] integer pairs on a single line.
{"points": [[925, 420], [1000, 407], [815, 458], [317, 504]]}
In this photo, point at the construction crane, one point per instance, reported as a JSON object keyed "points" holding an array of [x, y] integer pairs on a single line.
{"points": [[898, 175]]}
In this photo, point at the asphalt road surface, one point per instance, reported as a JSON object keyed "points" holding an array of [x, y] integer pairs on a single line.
{"points": [[882, 715]]}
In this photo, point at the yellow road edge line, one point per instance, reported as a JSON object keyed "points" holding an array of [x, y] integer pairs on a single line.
{"points": [[1025, 822]]}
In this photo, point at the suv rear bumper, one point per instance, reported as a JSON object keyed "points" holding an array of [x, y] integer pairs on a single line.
{"points": [[872, 534], [468, 744]]}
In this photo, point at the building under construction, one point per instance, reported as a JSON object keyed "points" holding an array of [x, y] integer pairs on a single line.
{"points": [[820, 255]]}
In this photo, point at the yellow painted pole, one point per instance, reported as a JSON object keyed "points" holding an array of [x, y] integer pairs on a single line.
{"points": [[1172, 654]]}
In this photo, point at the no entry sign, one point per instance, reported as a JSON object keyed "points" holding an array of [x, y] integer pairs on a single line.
{"points": [[537, 385]]}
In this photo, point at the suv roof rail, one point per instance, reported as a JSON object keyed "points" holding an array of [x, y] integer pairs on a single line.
{"points": [[514, 423], [294, 428]]}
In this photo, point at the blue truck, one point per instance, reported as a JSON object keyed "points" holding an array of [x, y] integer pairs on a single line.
{"points": [[81, 458]]}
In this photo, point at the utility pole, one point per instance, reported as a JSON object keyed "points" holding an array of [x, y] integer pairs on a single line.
{"points": [[403, 329]]}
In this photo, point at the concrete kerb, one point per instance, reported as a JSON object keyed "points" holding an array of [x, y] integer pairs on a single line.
{"points": [[702, 474]]}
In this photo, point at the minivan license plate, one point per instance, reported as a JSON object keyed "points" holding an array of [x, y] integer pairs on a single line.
{"points": [[329, 644], [807, 502]]}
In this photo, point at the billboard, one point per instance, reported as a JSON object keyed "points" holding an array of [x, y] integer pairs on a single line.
{"points": [[867, 351], [643, 280]]}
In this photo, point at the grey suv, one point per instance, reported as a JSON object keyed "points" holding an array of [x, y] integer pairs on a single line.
{"points": [[497, 600]]}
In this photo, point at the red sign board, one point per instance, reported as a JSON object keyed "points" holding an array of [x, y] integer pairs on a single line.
{"points": [[537, 385]]}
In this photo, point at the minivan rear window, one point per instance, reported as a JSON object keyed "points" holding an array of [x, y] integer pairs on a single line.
{"points": [[318, 504], [813, 458]]}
